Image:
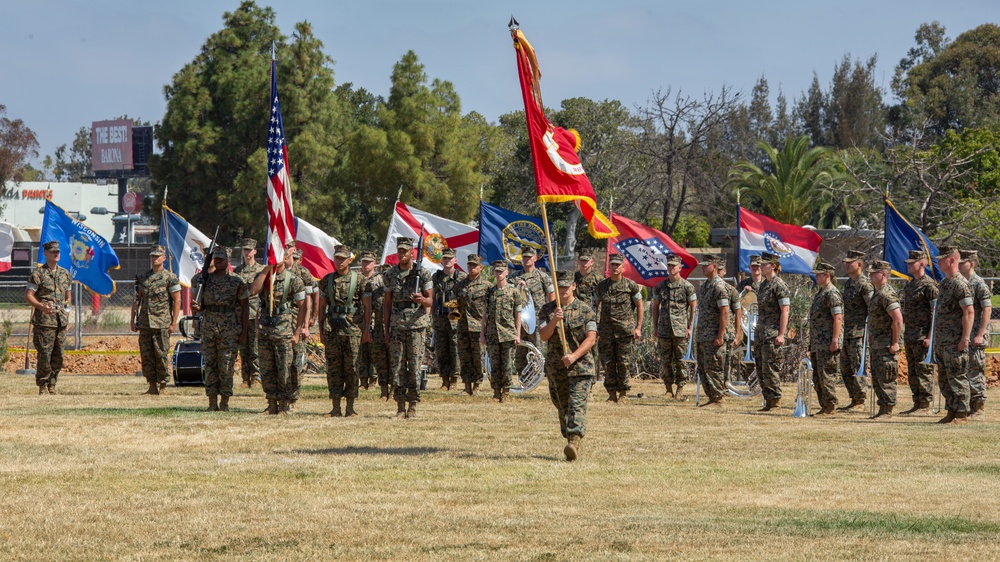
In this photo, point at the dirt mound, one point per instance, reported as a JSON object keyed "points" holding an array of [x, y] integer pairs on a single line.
{"points": [[992, 371]]}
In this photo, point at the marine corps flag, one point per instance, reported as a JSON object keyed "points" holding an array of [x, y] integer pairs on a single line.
{"points": [[559, 175]]}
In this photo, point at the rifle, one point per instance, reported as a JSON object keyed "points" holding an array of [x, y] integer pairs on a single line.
{"points": [[204, 269], [418, 265]]}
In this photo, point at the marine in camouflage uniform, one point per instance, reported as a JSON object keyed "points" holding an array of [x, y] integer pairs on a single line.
{"points": [[982, 308], [311, 304], [710, 334], [773, 300], [885, 326], [249, 355], [569, 386], [280, 326], [406, 321], [500, 329], [826, 319], [538, 283], [587, 278], [48, 293], [373, 360], [342, 314], [856, 295], [471, 293], [620, 304], [735, 318], [446, 281], [919, 295], [673, 301], [952, 329], [224, 312], [158, 296], [752, 283]]}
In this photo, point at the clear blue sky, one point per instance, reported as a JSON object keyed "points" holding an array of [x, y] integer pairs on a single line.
{"points": [[68, 63]]}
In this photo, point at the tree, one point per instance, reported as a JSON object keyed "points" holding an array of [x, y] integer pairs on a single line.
{"points": [[18, 145], [849, 113], [74, 162]]}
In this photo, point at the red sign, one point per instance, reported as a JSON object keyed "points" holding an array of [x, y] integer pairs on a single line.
{"points": [[131, 203], [111, 144]]}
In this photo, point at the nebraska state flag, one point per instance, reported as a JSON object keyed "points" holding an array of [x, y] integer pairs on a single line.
{"points": [[559, 175], [646, 251]]}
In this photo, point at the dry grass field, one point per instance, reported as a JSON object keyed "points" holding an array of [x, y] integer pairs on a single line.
{"points": [[100, 472]]}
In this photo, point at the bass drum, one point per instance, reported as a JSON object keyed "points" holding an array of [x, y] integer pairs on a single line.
{"points": [[188, 364], [527, 379]]}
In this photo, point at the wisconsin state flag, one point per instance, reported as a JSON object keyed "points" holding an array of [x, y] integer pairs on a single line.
{"points": [[559, 175]]}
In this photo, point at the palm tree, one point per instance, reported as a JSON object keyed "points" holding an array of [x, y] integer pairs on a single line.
{"points": [[802, 186]]}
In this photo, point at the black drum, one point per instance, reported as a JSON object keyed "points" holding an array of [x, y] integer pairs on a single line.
{"points": [[188, 366]]}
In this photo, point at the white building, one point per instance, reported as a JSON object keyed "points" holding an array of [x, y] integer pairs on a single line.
{"points": [[22, 202]]}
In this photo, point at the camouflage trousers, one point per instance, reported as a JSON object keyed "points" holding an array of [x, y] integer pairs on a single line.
{"points": [[249, 355], [521, 352], [953, 376], [49, 344], [826, 372], [406, 351], [769, 365], [373, 363], [276, 366], [977, 375], [884, 370], [672, 349], [850, 361], [470, 353], [154, 345], [341, 365], [569, 395], [711, 364], [919, 376], [501, 363], [218, 351], [446, 347], [615, 352], [297, 368]]}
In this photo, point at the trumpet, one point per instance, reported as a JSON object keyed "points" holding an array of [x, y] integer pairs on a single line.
{"points": [[454, 313], [804, 398]]}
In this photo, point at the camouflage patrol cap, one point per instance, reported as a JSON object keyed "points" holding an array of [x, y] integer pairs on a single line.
{"points": [[528, 251], [823, 267], [916, 255], [297, 254], [710, 259], [969, 255], [945, 251], [51, 246], [499, 264], [157, 250], [220, 253], [585, 254], [565, 278], [290, 244], [879, 265], [448, 253], [755, 259], [853, 255], [368, 255], [404, 243], [767, 257], [249, 244], [616, 259], [674, 259], [474, 259], [341, 251]]}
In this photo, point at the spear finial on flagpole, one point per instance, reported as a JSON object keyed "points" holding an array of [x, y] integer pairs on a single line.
{"points": [[512, 24]]}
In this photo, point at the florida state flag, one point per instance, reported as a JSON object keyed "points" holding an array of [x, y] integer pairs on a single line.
{"points": [[559, 175]]}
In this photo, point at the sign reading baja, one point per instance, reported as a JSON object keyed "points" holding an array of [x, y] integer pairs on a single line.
{"points": [[111, 143]]}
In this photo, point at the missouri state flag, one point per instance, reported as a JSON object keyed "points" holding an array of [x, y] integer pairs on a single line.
{"points": [[503, 233], [84, 253], [559, 175], [646, 251], [797, 247], [439, 233]]}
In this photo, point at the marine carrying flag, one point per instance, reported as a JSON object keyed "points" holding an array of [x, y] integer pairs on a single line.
{"points": [[797, 247], [559, 175], [185, 245], [85, 253], [280, 220], [901, 237], [646, 251], [439, 233], [502, 234]]}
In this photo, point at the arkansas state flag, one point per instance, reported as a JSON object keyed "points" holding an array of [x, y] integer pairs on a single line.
{"points": [[317, 248], [646, 251], [439, 233], [559, 175], [797, 247]]}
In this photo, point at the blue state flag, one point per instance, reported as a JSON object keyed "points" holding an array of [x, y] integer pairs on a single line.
{"points": [[185, 245], [502, 234], [900, 238], [86, 254]]}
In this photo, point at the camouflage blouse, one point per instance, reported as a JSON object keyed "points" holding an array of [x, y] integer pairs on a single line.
{"points": [[50, 285]]}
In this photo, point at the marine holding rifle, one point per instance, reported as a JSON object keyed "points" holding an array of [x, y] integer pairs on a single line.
{"points": [[155, 312], [341, 315]]}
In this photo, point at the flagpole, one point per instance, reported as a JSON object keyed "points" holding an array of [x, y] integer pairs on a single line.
{"points": [[552, 270]]}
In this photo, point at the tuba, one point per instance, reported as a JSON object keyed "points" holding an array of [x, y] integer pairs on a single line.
{"points": [[530, 376], [804, 397]]}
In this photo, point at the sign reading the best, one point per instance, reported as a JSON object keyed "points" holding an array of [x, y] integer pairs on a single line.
{"points": [[111, 143]]}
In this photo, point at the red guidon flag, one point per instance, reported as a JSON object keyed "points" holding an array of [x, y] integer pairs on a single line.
{"points": [[439, 233], [280, 220], [559, 175]]}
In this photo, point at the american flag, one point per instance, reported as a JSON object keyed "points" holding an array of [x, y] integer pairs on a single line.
{"points": [[280, 220]]}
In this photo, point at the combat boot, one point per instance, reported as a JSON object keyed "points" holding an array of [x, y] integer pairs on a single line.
{"points": [[41, 389], [770, 404], [213, 403], [51, 388], [272, 407], [679, 393], [335, 412], [385, 392], [612, 396], [411, 412], [917, 407], [350, 413], [854, 405], [622, 396], [475, 389], [152, 389], [961, 417], [670, 390], [468, 388], [224, 403], [572, 448], [496, 394], [827, 410], [400, 409], [949, 418], [161, 388], [445, 383], [290, 405], [883, 412], [976, 411]]}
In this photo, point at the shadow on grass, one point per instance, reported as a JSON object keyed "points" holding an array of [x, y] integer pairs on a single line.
{"points": [[161, 412], [397, 451]]}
